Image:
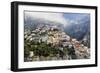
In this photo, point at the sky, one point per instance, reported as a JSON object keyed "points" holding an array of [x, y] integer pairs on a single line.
{"points": [[63, 18], [76, 18], [56, 17]]}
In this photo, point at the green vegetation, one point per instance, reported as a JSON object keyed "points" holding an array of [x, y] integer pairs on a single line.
{"points": [[42, 49]]}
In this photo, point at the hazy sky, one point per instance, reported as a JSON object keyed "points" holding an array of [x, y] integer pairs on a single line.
{"points": [[63, 18]]}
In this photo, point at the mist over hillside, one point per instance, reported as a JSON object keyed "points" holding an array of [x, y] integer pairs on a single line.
{"points": [[33, 23], [76, 28], [80, 30]]}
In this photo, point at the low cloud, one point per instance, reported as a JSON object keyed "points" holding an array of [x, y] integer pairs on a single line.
{"points": [[55, 17]]}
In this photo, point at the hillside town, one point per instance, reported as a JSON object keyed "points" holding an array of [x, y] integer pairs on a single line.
{"points": [[51, 43]]}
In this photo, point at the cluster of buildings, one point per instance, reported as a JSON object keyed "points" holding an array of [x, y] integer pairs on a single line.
{"points": [[52, 35], [57, 37]]}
